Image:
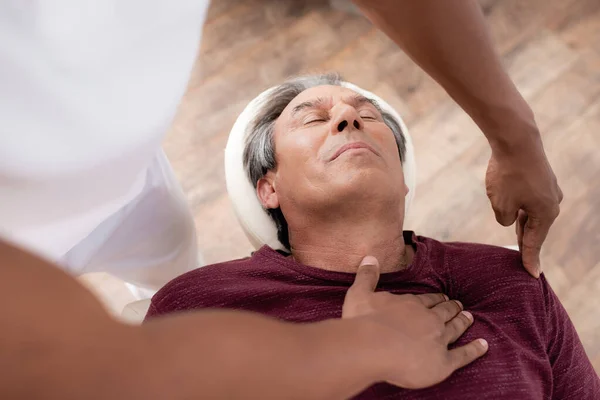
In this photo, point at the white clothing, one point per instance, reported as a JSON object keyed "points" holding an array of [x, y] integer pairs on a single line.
{"points": [[88, 89], [147, 242]]}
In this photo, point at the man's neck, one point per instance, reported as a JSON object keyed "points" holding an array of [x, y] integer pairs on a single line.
{"points": [[340, 244]]}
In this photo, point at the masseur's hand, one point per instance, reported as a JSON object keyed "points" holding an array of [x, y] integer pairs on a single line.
{"points": [[521, 186], [411, 332]]}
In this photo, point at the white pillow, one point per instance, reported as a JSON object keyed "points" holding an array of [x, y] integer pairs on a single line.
{"points": [[256, 223]]}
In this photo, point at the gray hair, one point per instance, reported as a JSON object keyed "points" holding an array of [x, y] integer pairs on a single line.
{"points": [[259, 149]]}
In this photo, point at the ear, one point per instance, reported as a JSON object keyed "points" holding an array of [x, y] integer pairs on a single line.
{"points": [[265, 190]]}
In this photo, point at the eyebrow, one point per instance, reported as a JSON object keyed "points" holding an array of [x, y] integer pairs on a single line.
{"points": [[355, 101], [319, 102], [358, 100]]}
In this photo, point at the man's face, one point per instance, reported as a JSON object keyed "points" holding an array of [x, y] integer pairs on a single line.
{"points": [[331, 145]]}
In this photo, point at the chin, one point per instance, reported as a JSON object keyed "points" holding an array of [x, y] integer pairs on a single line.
{"points": [[364, 181]]}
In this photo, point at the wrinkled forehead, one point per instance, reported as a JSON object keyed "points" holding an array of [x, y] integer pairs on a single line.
{"points": [[327, 95]]}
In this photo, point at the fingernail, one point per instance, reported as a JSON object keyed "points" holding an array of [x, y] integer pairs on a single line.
{"points": [[483, 343], [468, 315], [369, 260], [459, 304], [446, 297]]}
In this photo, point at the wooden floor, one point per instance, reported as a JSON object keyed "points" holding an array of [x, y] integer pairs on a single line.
{"points": [[551, 49]]}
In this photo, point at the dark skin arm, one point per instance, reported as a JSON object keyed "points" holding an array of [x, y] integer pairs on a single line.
{"points": [[58, 342], [60, 337], [449, 39]]}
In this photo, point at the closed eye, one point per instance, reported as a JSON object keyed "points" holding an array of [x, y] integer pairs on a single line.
{"points": [[368, 117], [314, 121]]}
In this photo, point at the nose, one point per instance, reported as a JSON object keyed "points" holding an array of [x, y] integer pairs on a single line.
{"points": [[346, 119]]}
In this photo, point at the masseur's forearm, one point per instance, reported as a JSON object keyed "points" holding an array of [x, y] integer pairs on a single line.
{"points": [[449, 39], [237, 355], [58, 342]]}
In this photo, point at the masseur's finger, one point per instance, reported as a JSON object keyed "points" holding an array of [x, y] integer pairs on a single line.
{"points": [[466, 354], [520, 227], [534, 233], [457, 326], [448, 309], [367, 277], [357, 298], [431, 299], [505, 215]]}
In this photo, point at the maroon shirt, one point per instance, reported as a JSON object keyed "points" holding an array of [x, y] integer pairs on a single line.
{"points": [[534, 351]]}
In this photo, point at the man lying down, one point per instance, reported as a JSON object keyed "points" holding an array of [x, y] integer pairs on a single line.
{"points": [[327, 166]]}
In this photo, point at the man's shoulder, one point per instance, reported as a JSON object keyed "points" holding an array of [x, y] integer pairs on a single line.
{"points": [[477, 271], [475, 255], [471, 256], [213, 285]]}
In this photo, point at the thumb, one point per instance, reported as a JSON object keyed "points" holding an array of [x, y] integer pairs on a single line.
{"points": [[367, 275], [534, 234], [365, 283]]}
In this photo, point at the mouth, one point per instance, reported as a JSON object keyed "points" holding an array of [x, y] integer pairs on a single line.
{"points": [[352, 146]]}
